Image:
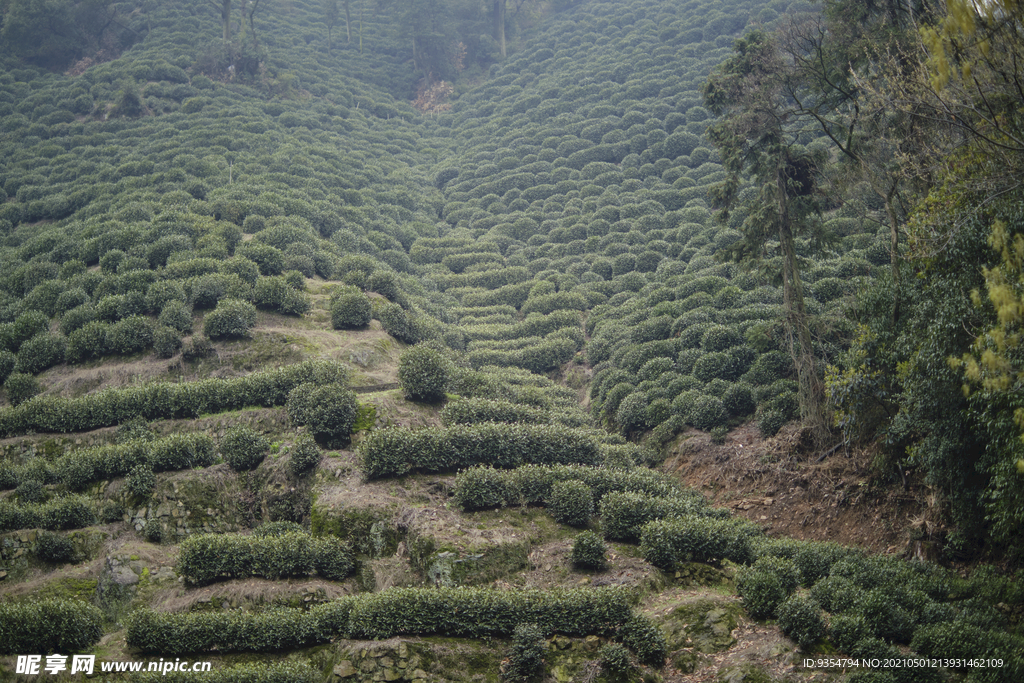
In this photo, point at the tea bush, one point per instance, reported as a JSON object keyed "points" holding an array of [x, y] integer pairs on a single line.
{"points": [[588, 551], [458, 612], [206, 558], [525, 660], [423, 373], [328, 411], [485, 487], [231, 318], [623, 513], [394, 451], [54, 548], [244, 448], [305, 456], [350, 309], [571, 502], [162, 400], [470, 411], [800, 619], [140, 482], [20, 387], [46, 626], [665, 542]]}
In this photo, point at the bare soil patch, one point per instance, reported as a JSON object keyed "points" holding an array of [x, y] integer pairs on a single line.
{"points": [[780, 484]]}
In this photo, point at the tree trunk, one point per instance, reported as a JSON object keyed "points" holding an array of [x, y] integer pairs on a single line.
{"points": [[348, 21], [225, 18], [894, 253], [499, 25], [798, 332]]}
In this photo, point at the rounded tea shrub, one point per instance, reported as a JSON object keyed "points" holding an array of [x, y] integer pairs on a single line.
{"points": [[615, 660], [176, 315], [588, 551], [800, 619], [762, 592], [51, 547], [166, 342], [244, 448], [328, 411], [770, 422], [231, 318], [30, 491], [424, 373], [350, 310], [571, 502], [305, 455], [140, 482], [332, 558], [525, 661], [20, 387]]}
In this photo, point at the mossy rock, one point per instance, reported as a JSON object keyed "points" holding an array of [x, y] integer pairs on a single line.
{"points": [[699, 574], [369, 530], [704, 625], [476, 564]]}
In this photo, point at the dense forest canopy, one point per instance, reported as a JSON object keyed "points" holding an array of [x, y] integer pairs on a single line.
{"points": [[584, 225]]}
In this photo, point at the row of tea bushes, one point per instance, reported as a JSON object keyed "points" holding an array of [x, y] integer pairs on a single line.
{"points": [[44, 626], [68, 512], [455, 612], [624, 513], [78, 469], [207, 558], [481, 488], [468, 411], [666, 542], [395, 451], [165, 400]]}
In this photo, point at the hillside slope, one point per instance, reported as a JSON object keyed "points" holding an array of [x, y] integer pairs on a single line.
{"points": [[227, 271]]}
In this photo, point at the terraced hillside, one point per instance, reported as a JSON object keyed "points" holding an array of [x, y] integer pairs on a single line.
{"points": [[313, 384]]}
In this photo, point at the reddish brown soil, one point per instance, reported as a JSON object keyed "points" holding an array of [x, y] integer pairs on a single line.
{"points": [[780, 484]]}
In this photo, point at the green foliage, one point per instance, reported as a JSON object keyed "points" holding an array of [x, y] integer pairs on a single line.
{"points": [[206, 558], [166, 341], [423, 373], [130, 335], [770, 422], [473, 410], [624, 513], [395, 451], [231, 318], [305, 456], [20, 387], [47, 626], [762, 592], [350, 309], [54, 548], [571, 502], [164, 400], [328, 411], [525, 660], [461, 612], [665, 542], [41, 352], [7, 364], [615, 661], [140, 482], [588, 551], [244, 448], [485, 487], [800, 619], [30, 491]]}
